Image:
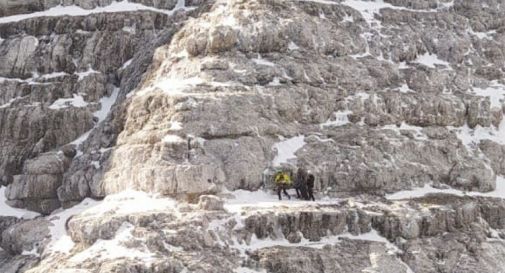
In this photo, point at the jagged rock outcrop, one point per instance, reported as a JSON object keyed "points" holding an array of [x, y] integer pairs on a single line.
{"points": [[252, 70], [338, 237], [59, 80], [192, 99]]}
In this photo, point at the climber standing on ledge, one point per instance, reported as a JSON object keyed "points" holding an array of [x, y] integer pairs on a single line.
{"points": [[300, 184], [310, 187], [283, 182]]}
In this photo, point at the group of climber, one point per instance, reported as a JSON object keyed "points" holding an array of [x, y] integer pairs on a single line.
{"points": [[303, 184]]}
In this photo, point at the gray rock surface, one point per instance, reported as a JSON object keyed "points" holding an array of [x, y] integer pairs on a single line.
{"points": [[25, 236], [192, 103], [426, 234]]}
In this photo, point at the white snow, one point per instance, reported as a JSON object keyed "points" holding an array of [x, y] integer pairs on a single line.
{"points": [[348, 18], [483, 35], [33, 252], [6, 210], [360, 95], [126, 64], [472, 137], [340, 119], [372, 236], [53, 75], [106, 105], [225, 16], [96, 164], [175, 86], [404, 89], [123, 6], [248, 270], [256, 243], [172, 139], [447, 5], [8, 104], [230, 21], [419, 135], [499, 192], [86, 73], [115, 248], [430, 60], [262, 199], [327, 2], [175, 126], [60, 241], [126, 202], [420, 192], [495, 93], [77, 142], [3, 79], [129, 29], [261, 61], [293, 46], [286, 149], [368, 9], [275, 82], [76, 101], [37, 77]]}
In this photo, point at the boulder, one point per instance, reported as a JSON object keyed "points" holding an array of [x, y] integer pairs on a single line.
{"points": [[210, 202]]}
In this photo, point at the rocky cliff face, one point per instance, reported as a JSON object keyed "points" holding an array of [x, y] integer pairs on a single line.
{"points": [[189, 98]]}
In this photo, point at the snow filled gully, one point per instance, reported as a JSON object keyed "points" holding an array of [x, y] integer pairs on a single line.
{"points": [[114, 7]]}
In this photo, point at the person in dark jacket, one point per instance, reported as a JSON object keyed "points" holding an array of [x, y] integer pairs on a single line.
{"points": [[300, 184], [310, 187]]}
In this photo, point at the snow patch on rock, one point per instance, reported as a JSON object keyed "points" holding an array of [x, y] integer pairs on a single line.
{"points": [[87, 73], [472, 137], [106, 105], [495, 93], [123, 203], [123, 6], [261, 61], [115, 248], [499, 192], [419, 135], [286, 149], [242, 199], [76, 101], [172, 139], [6, 210], [340, 118], [60, 240], [431, 60]]}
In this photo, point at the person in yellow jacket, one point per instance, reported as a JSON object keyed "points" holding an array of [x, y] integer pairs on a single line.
{"points": [[283, 182]]}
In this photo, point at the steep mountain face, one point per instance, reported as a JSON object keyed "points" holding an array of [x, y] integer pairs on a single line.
{"points": [[199, 98]]}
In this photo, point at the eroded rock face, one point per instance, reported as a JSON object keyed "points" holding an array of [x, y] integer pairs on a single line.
{"points": [[191, 102], [261, 74], [25, 236], [377, 115], [420, 235], [59, 80]]}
